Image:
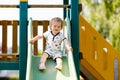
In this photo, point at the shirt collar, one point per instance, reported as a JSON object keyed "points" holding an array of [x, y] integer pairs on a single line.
{"points": [[55, 34]]}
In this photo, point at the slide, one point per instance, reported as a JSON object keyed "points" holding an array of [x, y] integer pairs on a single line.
{"points": [[33, 73], [50, 73]]}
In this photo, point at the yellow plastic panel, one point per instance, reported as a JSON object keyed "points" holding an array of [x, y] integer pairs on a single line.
{"points": [[98, 53]]}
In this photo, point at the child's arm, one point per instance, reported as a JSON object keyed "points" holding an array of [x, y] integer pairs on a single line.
{"points": [[68, 46], [35, 38]]}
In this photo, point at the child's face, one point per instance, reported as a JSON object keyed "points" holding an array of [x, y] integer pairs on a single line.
{"points": [[56, 27]]}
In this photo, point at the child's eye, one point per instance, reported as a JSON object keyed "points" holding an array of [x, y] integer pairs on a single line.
{"points": [[59, 26]]}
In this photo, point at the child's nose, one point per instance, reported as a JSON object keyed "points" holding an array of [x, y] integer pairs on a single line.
{"points": [[56, 27]]}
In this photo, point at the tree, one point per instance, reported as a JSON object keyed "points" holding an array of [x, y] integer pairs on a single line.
{"points": [[104, 15]]}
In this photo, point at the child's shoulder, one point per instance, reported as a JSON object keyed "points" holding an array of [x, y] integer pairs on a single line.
{"points": [[46, 32], [61, 34]]}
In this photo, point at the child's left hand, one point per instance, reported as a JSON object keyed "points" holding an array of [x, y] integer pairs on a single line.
{"points": [[70, 49]]}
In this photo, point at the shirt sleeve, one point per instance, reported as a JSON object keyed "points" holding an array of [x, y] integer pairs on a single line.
{"points": [[45, 34]]}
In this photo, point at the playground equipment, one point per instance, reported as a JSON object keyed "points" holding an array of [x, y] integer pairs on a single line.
{"points": [[100, 60], [33, 73], [18, 60]]}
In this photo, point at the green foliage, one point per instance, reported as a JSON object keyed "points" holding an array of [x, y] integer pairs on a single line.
{"points": [[104, 15], [115, 35]]}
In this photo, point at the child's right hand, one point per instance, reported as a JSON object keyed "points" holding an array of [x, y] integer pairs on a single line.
{"points": [[31, 41]]}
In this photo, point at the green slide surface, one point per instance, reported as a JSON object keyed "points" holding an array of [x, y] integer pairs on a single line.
{"points": [[50, 73]]}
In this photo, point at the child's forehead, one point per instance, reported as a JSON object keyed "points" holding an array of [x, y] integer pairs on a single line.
{"points": [[56, 22]]}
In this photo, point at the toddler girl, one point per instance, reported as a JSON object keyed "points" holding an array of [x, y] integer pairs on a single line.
{"points": [[54, 39]]}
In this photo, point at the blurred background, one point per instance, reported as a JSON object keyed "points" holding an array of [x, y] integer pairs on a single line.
{"points": [[104, 16]]}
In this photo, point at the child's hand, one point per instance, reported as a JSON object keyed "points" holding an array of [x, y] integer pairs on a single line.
{"points": [[70, 49], [31, 41]]}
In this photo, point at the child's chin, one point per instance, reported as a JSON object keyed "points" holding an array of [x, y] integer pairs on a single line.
{"points": [[55, 32]]}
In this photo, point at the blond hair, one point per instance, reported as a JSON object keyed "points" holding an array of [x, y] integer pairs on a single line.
{"points": [[56, 19]]}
